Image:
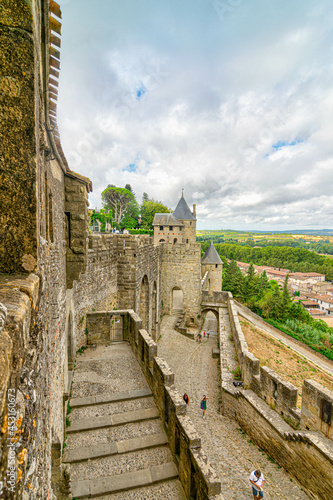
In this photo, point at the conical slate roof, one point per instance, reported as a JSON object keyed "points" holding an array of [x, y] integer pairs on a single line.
{"points": [[182, 210], [211, 256]]}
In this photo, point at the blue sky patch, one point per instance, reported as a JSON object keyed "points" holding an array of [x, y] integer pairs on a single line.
{"points": [[140, 92], [282, 144], [132, 167]]}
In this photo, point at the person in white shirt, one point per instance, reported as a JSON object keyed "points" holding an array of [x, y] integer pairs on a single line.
{"points": [[257, 480]]}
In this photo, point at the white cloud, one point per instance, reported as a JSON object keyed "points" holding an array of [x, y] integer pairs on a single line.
{"points": [[217, 97]]}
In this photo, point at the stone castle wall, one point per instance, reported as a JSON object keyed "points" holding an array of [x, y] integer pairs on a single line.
{"points": [[20, 85], [214, 277], [181, 268], [189, 231], [56, 272], [267, 407]]}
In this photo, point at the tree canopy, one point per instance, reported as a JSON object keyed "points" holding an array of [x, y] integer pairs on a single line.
{"points": [[294, 259], [277, 307], [149, 209], [117, 199]]}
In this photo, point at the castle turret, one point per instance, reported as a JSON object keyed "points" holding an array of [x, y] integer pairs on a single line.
{"points": [[188, 219], [212, 263]]}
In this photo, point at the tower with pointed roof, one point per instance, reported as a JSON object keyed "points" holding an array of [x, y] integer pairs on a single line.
{"points": [[212, 264], [180, 267], [178, 227], [188, 219]]}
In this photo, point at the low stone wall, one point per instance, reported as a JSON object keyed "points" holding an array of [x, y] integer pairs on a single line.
{"points": [[264, 381], [317, 403], [306, 454], [214, 297], [197, 476]]}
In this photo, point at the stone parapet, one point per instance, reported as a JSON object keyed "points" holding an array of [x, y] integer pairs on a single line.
{"points": [[197, 476], [261, 412]]}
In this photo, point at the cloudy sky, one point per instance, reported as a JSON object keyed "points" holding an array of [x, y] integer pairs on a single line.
{"points": [[231, 100]]}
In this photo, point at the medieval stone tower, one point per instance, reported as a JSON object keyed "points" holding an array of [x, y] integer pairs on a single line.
{"points": [[180, 261], [211, 269]]}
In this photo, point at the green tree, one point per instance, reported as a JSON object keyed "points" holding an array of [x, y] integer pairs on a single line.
{"points": [[264, 282], [233, 280], [131, 216], [145, 197], [149, 209], [286, 301], [129, 188], [251, 286], [117, 199]]}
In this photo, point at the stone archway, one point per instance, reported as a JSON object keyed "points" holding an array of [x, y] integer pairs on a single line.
{"points": [[144, 303], [177, 299], [154, 312], [210, 320]]}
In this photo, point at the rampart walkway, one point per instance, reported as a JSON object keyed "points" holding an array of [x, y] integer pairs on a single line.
{"points": [[229, 450], [116, 440]]}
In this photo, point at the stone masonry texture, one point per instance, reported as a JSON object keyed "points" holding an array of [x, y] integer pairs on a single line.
{"points": [[54, 274]]}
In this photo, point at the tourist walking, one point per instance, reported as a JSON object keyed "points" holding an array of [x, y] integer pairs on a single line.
{"points": [[257, 480], [203, 405], [186, 399], [208, 332]]}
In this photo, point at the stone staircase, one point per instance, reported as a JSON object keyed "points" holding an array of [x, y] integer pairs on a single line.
{"points": [[116, 444], [179, 315]]}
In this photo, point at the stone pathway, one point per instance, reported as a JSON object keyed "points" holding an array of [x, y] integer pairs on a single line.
{"points": [[116, 444], [229, 449]]}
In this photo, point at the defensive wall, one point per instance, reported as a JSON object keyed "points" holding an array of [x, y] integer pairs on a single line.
{"points": [[49, 315], [198, 478], [181, 269], [267, 405], [53, 272]]}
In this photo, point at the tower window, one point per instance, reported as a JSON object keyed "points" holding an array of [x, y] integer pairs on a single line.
{"points": [[170, 228], [215, 266], [161, 228], [186, 240]]}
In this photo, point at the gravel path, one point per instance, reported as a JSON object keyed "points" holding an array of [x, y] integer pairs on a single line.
{"points": [[229, 449]]}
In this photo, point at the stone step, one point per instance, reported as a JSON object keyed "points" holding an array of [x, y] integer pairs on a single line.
{"points": [[114, 434], [109, 398], [123, 406], [169, 490], [86, 424], [122, 482], [113, 465], [116, 447]]}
